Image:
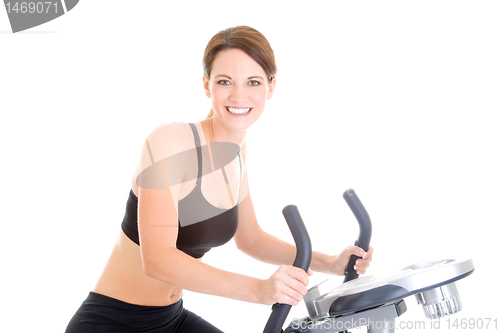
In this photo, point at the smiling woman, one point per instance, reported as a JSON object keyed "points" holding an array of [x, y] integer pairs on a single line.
{"points": [[189, 194], [245, 39], [238, 90]]}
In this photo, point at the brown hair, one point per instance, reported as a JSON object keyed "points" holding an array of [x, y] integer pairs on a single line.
{"points": [[246, 39]]}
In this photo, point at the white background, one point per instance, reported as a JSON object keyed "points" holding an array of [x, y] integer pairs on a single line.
{"points": [[396, 99]]}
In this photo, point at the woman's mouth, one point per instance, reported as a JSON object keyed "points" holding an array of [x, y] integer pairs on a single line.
{"points": [[238, 110]]}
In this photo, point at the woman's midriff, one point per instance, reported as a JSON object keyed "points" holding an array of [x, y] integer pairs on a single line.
{"points": [[124, 279]]}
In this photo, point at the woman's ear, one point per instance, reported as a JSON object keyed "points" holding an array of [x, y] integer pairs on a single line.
{"points": [[272, 85], [206, 86]]}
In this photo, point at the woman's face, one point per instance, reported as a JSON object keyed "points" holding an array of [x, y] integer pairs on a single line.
{"points": [[239, 89]]}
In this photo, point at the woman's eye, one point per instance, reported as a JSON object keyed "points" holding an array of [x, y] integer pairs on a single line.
{"points": [[223, 82], [254, 83]]}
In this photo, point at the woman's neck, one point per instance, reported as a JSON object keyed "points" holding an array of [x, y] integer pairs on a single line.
{"points": [[215, 131]]}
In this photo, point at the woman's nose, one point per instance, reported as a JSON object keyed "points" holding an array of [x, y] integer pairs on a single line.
{"points": [[238, 94]]}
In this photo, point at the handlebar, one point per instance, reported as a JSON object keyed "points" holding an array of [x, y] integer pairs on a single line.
{"points": [[365, 230], [302, 260]]}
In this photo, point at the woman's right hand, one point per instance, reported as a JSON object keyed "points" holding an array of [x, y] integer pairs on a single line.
{"points": [[287, 286]]}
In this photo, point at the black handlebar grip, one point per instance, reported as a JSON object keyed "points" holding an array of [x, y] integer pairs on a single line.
{"points": [[300, 237], [365, 230], [302, 260]]}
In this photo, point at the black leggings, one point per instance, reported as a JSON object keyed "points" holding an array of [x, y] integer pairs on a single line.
{"points": [[99, 313]]}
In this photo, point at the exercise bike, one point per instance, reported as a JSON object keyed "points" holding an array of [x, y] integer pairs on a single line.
{"points": [[374, 302]]}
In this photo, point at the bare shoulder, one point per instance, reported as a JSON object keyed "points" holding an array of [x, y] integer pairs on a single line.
{"points": [[169, 139], [163, 142]]}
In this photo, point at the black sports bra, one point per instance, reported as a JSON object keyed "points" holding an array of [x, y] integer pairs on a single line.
{"points": [[202, 226]]}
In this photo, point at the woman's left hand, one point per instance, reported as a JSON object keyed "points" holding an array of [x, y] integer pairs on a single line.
{"points": [[341, 261]]}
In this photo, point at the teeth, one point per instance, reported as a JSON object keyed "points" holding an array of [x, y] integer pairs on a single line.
{"points": [[238, 110]]}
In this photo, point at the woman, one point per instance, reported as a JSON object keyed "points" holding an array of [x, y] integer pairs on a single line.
{"points": [[189, 194]]}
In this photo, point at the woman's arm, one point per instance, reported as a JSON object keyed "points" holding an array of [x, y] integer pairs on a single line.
{"points": [[164, 262], [252, 240], [158, 229]]}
